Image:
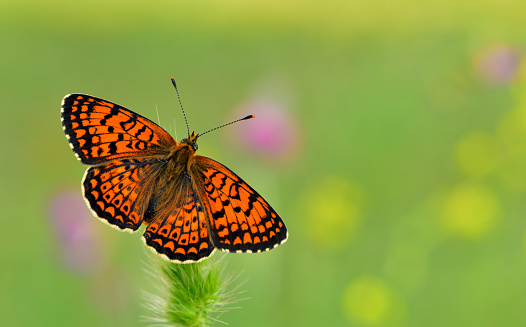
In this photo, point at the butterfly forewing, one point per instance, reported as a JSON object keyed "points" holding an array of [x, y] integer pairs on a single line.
{"points": [[99, 131], [240, 219]]}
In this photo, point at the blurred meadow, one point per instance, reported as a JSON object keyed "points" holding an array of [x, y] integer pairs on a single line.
{"points": [[390, 137]]}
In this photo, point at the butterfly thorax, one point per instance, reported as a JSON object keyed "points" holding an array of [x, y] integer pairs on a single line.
{"points": [[179, 159]]}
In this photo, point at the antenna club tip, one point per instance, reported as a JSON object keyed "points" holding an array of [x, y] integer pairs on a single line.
{"points": [[248, 117], [173, 80]]}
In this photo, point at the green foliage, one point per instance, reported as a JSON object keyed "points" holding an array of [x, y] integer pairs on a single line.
{"points": [[189, 295]]}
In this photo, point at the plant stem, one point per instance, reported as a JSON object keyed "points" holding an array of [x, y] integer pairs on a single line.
{"points": [[189, 295]]}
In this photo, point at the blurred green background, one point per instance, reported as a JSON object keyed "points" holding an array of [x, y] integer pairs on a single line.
{"points": [[390, 136]]}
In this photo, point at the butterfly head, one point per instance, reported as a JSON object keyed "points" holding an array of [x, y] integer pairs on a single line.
{"points": [[191, 141]]}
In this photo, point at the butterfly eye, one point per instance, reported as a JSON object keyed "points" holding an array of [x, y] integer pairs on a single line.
{"points": [[184, 140], [194, 145]]}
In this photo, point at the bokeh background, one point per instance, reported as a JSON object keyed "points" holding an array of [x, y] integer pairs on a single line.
{"points": [[390, 136]]}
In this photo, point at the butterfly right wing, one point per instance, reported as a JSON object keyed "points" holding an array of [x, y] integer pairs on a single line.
{"points": [[99, 131], [116, 194], [240, 220]]}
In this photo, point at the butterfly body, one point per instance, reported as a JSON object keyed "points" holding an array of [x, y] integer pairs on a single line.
{"points": [[139, 174]]}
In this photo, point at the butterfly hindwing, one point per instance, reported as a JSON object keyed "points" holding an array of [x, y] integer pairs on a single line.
{"points": [[113, 192], [182, 234], [99, 130], [240, 219]]}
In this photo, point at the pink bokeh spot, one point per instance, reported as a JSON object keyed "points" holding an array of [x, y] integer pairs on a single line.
{"points": [[73, 225], [273, 133], [498, 64]]}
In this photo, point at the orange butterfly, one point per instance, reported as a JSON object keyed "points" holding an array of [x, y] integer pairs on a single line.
{"points": [[140, 174]]}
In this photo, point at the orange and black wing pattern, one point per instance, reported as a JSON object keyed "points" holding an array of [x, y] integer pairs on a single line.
{"points": [[99, 131], [182, 235], [120, 144], [191, 204], [240, 219], [115, 194]]}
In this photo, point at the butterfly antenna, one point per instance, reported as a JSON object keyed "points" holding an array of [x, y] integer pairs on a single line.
{"points": [[178, 97], [232, 122]]}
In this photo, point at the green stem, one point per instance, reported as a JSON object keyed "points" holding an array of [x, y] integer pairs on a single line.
{"points": [[189, 295]]}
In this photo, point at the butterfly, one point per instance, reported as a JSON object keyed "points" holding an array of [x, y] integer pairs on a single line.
{"points": [[139, 174]]}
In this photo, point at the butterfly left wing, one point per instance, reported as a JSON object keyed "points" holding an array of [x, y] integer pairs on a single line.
{"points": [[240, 219], [180, 233]]}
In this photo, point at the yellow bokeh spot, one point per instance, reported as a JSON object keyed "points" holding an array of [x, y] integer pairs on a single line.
{"points": [[332, 209], [477, 154], [470, 211], [368, 301]]}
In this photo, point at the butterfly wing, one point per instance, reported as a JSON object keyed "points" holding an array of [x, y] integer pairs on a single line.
{"points": [[122, 146], [115, 192], [181, 234], [99, 131], [240, 219]]}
